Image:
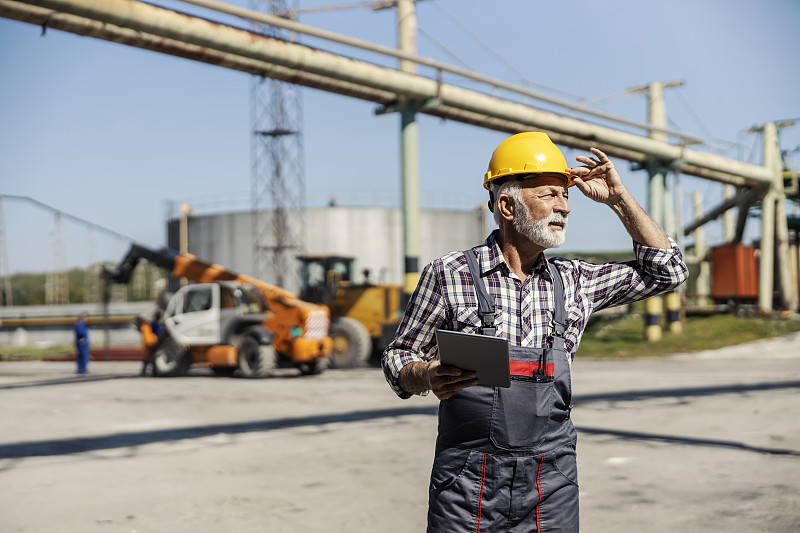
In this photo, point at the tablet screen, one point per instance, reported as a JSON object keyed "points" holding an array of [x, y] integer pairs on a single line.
{"points": [[487, 356]]}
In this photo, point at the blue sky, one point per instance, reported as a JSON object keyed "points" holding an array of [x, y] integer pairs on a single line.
{"points": [[109, 133]]}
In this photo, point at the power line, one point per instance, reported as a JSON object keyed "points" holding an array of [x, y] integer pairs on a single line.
{"points": [[606, 99], [443, 48], [4, 273], [55, 210], [691, 111], [499, 57], [280, 10]]}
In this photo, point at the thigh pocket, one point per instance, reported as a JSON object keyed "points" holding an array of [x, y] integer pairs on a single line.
{"points": [[567, 465], [453, 468], [454, 498], [521, 414]]}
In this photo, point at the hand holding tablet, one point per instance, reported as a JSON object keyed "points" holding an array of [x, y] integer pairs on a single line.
{"points": [[487, 356]]}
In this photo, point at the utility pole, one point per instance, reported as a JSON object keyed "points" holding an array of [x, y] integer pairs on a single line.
{"points": [[659, 210], [4, 273], [409, 147], [278, 174], [409, 144], [657, 118], [703, 279], [766, 267], [774, 230]]}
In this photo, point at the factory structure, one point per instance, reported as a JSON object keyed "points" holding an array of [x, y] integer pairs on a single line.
{"points": [[392, 243]]}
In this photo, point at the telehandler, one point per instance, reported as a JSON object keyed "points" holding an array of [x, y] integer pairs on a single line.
{"points": [[228, 321]]}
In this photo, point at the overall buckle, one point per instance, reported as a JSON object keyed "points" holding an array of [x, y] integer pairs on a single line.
{"points": [[557, 329]]}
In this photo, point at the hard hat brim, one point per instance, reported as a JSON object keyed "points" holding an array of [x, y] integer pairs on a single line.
{"points": [[501, 177]]}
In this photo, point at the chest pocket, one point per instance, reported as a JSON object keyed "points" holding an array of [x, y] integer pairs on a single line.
{"points": [[521, 413]]}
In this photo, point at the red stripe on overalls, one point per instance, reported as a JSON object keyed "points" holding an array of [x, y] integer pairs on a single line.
{"points": [[539, 488], [480, 496], [528, 369]]}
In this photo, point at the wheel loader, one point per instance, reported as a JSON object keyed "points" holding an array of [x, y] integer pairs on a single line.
{"points": [[364, 316]]}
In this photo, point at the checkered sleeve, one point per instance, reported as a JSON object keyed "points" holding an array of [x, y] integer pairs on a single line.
{"points": [[415, 340], [654, 271]]}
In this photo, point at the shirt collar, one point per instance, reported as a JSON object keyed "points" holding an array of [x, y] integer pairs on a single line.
{"points": [[491, 258], [540, 268], [491, 254]]}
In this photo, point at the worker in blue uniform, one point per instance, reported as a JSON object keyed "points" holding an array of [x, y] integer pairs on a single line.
{"points": [[82, 344]]}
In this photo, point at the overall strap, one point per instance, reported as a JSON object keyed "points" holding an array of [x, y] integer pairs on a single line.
{"points": [[559, 325], [486, 307]]}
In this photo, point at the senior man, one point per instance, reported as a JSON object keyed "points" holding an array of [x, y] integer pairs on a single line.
{"points": [[505, 457]]}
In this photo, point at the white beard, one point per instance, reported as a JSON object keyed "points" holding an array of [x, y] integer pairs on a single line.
{"points": [[539, 231]]}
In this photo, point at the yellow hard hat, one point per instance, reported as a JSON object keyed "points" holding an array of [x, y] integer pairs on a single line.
{"points": [[531, 152]]}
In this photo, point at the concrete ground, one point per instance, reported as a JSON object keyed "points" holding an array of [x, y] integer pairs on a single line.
{"points": [[700, 442]]}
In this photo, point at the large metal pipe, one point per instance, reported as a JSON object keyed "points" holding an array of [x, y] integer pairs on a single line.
{"points": [[409, 56], [746, 199], [206, 34], [514, 126], [48, 18]]}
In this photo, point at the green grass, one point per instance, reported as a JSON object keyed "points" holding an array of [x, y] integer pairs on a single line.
{"points": [[624, 337], [11, 353]]}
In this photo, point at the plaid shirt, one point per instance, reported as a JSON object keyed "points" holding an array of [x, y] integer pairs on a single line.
{"points": [[445, 299]]}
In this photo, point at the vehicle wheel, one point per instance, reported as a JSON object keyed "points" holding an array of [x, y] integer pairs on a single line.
{"points": [[317, 366], [170, 359], [256, 360], [352, 344]]}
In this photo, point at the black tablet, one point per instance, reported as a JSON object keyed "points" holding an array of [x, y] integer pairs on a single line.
{"points": [[487, 356]]}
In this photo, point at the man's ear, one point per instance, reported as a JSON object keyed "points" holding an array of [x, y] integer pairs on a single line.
{"points": [[506, 206]]}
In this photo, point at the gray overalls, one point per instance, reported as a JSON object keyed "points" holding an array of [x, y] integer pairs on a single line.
{"points": [[505, 457]]}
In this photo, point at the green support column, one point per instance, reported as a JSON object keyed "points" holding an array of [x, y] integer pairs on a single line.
{"points": [[411, 210], [656, 196], [766, 263], [409, 147], [654, 305]]}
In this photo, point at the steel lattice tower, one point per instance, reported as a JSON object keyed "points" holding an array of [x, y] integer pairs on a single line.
{"points": [[278, 172]]}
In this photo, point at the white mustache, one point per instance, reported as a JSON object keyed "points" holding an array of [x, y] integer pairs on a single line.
{"points": [[556, 217]]}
